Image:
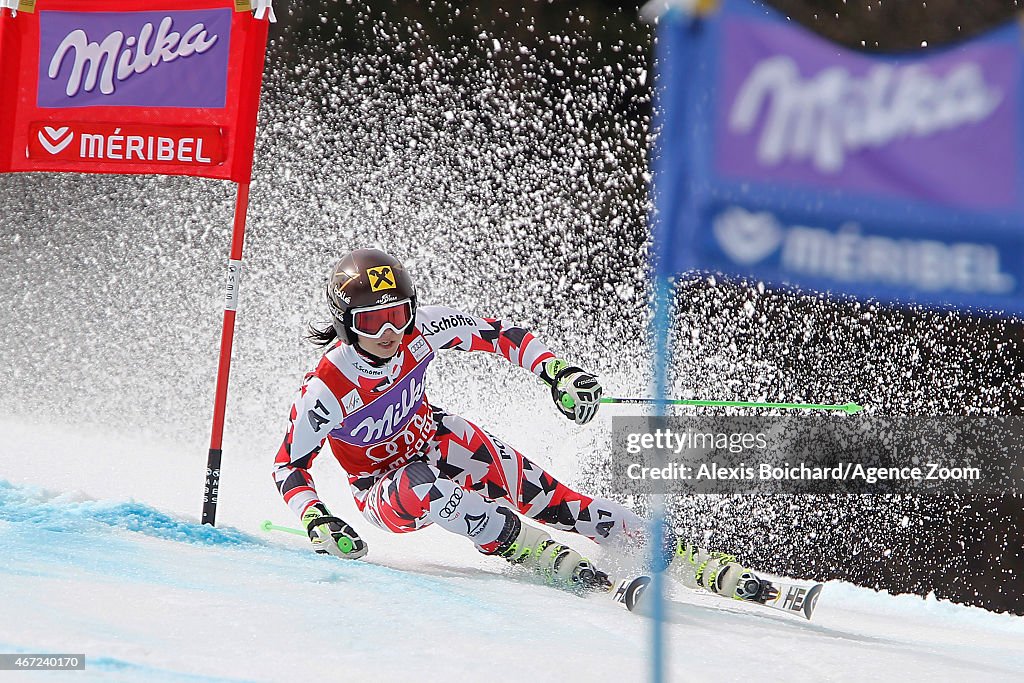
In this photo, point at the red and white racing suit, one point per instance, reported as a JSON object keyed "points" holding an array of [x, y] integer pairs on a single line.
{"points": [[410, 464]]}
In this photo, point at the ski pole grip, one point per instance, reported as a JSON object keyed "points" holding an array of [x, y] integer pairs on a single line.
{"points": [[345, 544], [560, 397]]}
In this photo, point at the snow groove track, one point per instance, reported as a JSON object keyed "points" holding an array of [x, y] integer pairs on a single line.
{"points": [[150, 596]]}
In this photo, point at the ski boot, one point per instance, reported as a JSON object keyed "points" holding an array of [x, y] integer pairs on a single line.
{"points": [[559, 565], [716, 572]]}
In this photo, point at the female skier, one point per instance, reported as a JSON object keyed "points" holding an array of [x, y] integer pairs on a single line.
{"points": [[410, 464]]}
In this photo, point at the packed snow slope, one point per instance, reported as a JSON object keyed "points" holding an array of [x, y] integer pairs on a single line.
{"points": [[102, 556]]}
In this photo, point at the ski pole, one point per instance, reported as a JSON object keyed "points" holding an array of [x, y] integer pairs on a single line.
{"points": [[267, 525], [344, 543], [849, 408]]}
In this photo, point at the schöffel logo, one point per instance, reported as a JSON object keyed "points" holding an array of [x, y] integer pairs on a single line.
{"points": [[135, 59]]}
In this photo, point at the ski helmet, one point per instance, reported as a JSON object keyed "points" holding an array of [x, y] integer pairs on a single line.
{"points": [[369, 291]]}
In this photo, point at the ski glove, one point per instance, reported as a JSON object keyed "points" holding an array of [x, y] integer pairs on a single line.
{"points": [[261, 7], [576, 393], [331, 535]]}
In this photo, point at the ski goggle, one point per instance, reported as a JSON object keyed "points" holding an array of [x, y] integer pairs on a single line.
{"points": [[373, 321]]}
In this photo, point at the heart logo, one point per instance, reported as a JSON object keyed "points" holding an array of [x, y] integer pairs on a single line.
{"points": [[747, 237], [55, 140]]}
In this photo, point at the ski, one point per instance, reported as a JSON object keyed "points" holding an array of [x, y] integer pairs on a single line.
{"points": [[627, 592], [788, 597], [777, 595]]}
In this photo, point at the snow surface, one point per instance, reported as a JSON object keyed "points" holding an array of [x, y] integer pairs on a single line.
{"points": [[103, 555]]}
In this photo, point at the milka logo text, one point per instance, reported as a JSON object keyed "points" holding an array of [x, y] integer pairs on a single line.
{"points": [[117, 57], [826, 117], [385, 426]]}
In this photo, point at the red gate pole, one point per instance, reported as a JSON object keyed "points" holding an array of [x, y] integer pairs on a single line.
{"points": [[224, 367]]}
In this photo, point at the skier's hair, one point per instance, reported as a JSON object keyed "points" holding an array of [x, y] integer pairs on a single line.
{"points": [[321, 336]]}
